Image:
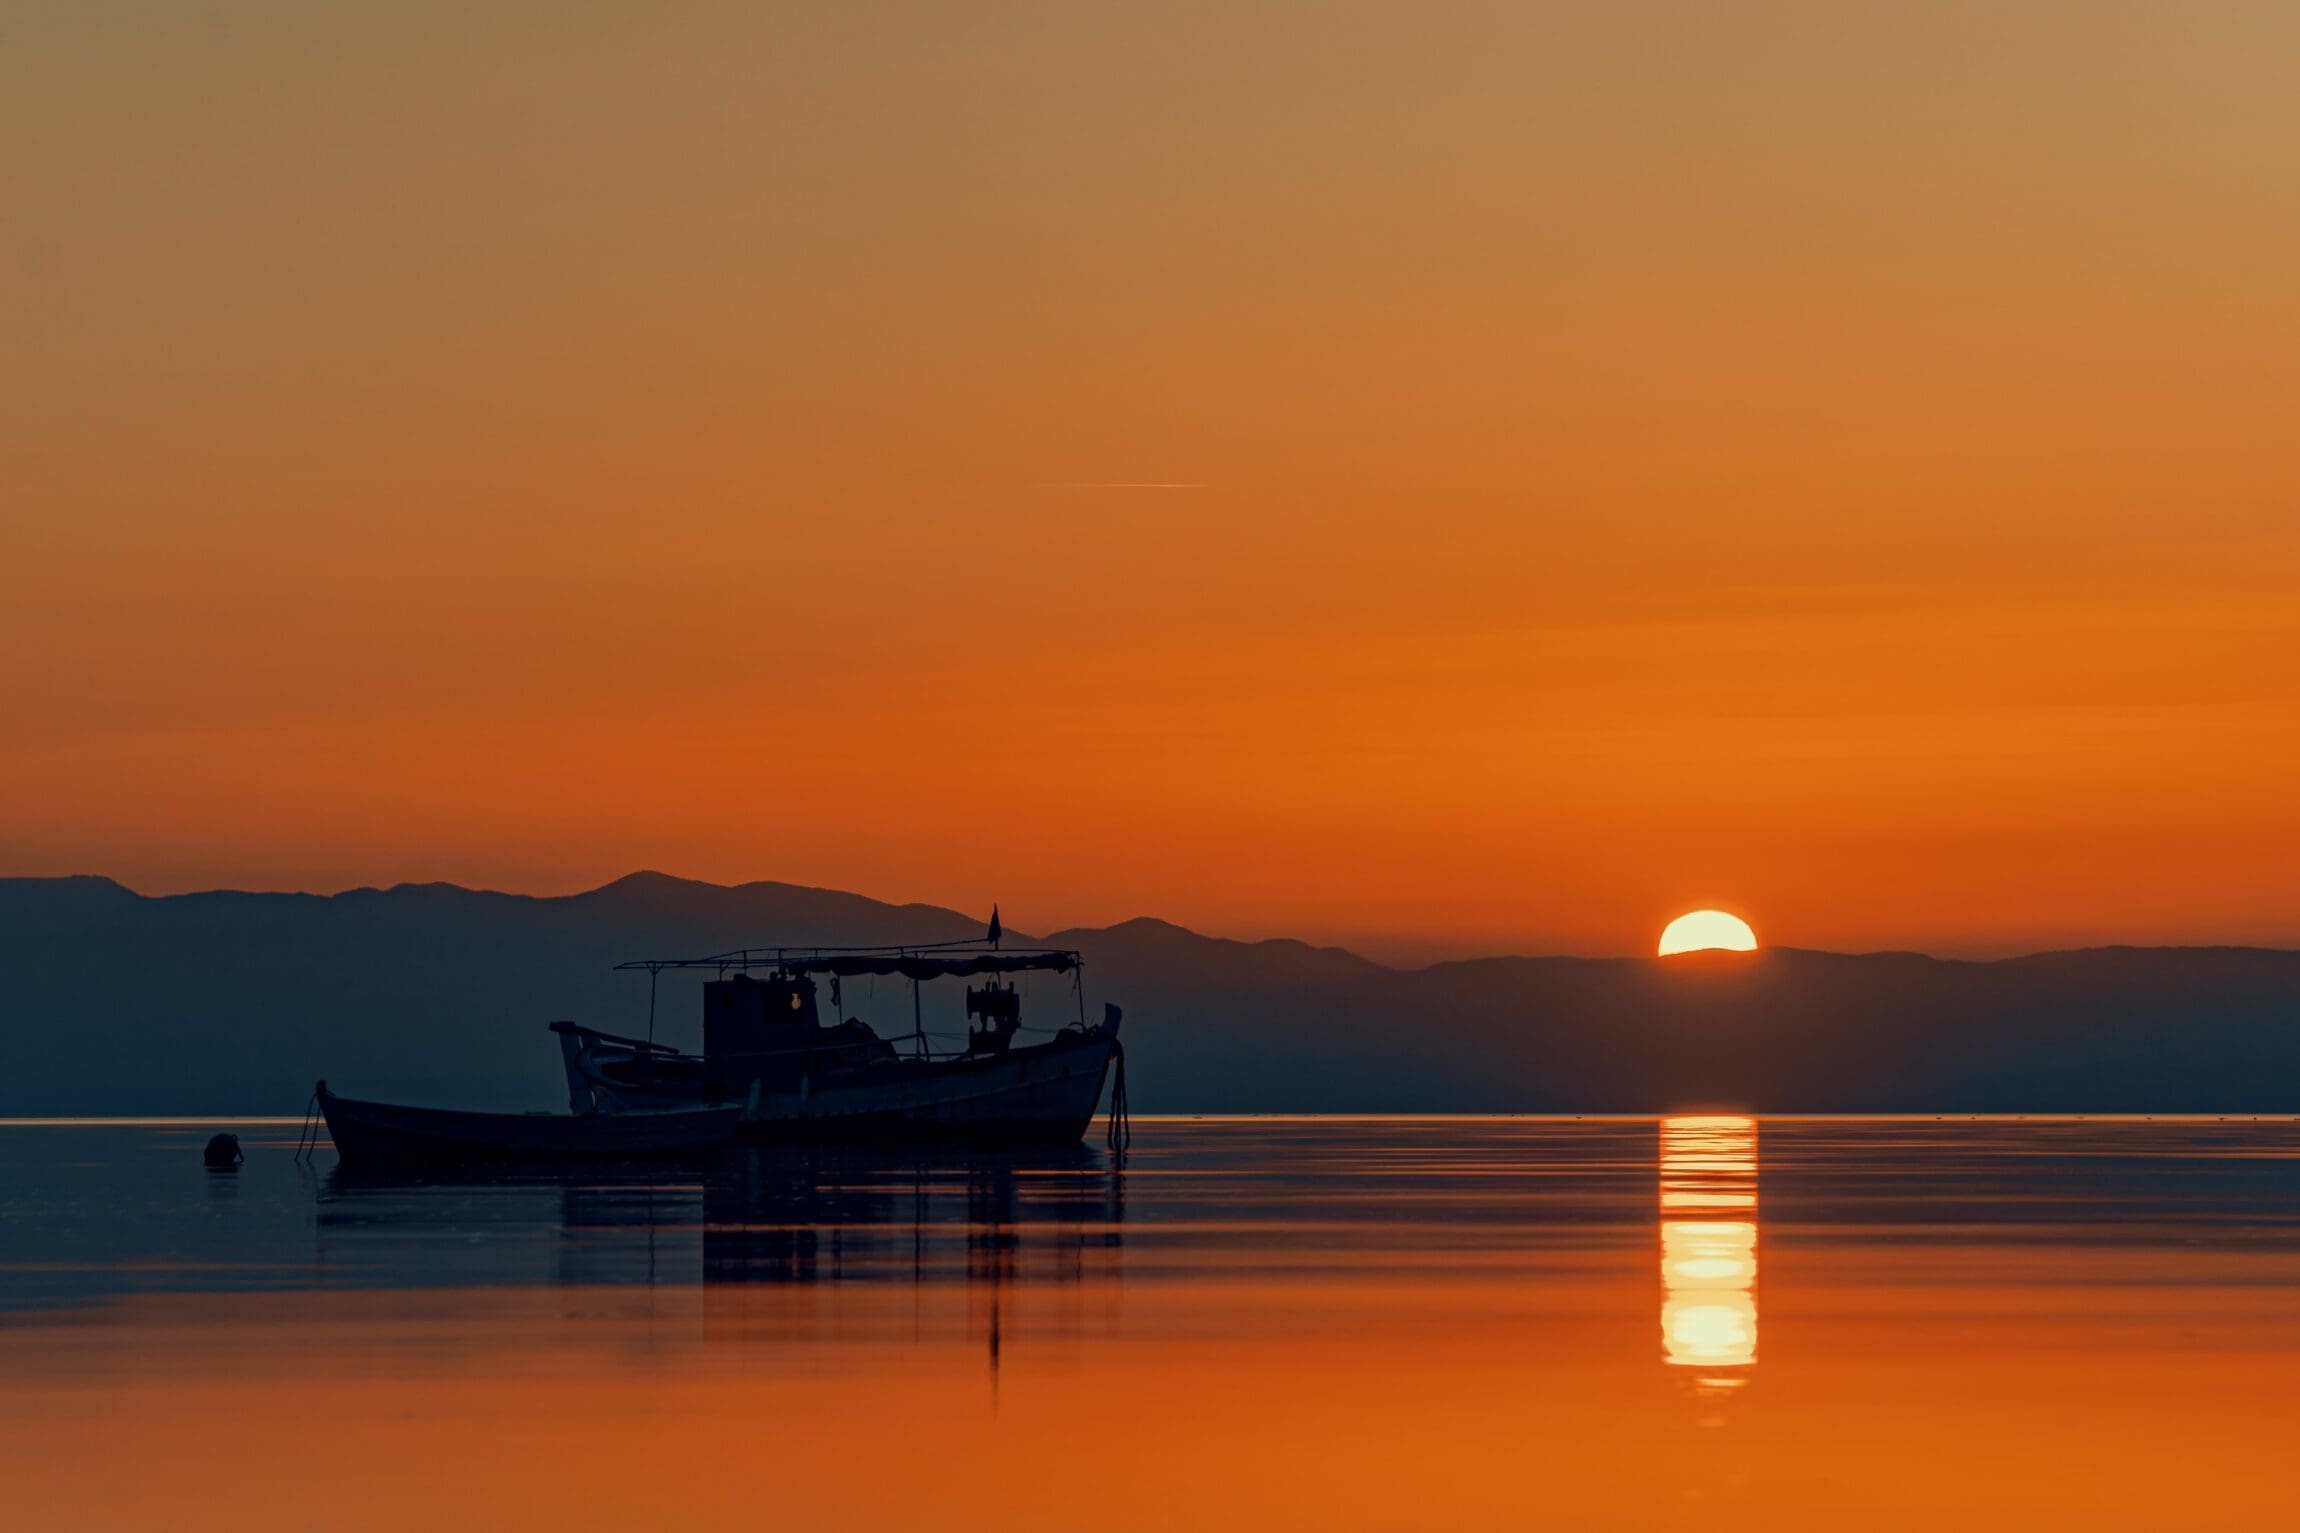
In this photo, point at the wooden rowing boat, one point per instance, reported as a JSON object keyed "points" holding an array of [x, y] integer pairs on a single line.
{"points": [[368, 1132]]}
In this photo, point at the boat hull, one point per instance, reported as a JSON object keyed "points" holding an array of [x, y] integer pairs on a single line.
{"points": [[1045, 1094], [367, 1133], [1039, 1094]]}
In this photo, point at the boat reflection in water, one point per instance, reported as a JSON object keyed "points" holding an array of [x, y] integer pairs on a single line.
{"points": [[717, 1243], [1709, 1247]]}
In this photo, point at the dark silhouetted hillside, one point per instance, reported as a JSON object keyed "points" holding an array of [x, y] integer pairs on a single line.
{"points": [[111, 1002]]}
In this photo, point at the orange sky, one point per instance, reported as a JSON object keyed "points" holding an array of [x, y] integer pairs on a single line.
{"points": [[1457, 477]]}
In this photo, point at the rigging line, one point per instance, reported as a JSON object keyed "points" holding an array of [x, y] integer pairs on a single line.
{"points": [[307, 1140], [1121, 1119]]}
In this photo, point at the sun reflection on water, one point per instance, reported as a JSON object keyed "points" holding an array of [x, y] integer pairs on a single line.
{"points": [[1709, 1256]]}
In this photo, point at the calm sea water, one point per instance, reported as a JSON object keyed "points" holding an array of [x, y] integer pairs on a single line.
{"points": [[1706, 1322]]}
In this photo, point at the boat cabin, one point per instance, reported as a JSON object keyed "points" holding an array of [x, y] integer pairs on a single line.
{"points": [[759, 1028]]}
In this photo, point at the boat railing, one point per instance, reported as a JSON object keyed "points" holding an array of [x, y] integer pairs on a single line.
{"points": [[819, 1046], [646, 1044]]}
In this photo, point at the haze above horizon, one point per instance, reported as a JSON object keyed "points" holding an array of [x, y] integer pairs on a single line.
{"points": [[1469, 477]]}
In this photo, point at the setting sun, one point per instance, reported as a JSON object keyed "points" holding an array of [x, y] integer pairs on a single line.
{"points": [[1707, 929]]}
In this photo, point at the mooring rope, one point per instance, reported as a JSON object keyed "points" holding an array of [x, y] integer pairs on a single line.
{"points": [[307, 1142], [1121, 1120]]}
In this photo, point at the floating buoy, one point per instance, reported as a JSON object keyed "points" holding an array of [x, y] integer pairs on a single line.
{"points": [[223, 1153]]}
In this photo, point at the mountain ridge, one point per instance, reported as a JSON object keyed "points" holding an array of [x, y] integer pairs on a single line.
{"points": [[233, 1001], [647, 878]]}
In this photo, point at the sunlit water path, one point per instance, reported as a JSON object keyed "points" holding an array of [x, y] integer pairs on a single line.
{"points": [[1344, 1323]]}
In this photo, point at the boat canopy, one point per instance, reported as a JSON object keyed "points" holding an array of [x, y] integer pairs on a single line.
{"points": [[931, 965], [910, 963]]}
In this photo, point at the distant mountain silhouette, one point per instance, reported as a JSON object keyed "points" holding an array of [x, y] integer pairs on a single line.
{"points": [[112, 1002]]}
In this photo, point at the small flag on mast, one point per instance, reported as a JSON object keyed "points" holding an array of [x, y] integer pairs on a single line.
{"points": [[994, 929]]}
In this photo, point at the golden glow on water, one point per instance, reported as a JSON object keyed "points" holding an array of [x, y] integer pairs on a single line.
{"points": [[1709, 1263]]}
